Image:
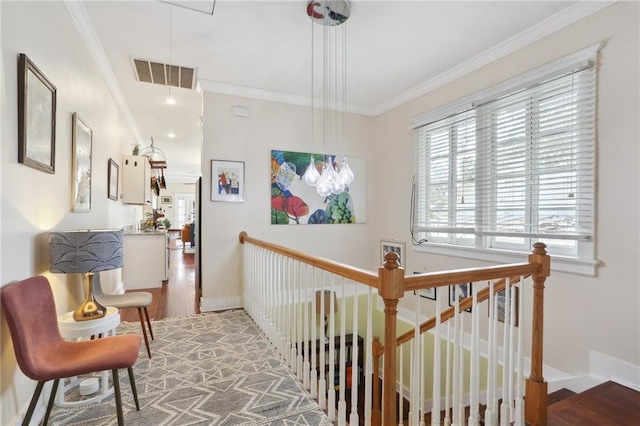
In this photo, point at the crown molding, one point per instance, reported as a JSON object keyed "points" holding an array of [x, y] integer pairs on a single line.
{"points": [[268, 95], [85, 28], [560, 20]]}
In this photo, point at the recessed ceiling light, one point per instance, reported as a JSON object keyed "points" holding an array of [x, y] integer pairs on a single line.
{"points": [[171, 135], [170, 100]]}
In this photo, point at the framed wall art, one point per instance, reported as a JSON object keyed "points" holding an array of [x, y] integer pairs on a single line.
{"points": [[112, 179], [36, 117], [427, 293], [166, 199], [227, 181], [82, 140], [294, 202], [394, 246], [514, 293], [460, 292]]}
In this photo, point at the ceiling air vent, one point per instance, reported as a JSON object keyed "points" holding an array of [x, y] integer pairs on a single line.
{"points": [[165, 74]]}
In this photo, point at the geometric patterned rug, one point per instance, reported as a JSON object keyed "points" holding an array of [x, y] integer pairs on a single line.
{"points": [[207, 369]]}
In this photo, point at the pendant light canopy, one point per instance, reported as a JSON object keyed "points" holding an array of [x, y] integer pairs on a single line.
{"points": [[334, 178]]}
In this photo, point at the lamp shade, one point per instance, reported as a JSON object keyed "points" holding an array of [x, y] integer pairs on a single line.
{"points": [[85, 251]]}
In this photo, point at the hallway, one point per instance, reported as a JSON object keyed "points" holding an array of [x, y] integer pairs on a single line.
{"points": [[177, 296]]}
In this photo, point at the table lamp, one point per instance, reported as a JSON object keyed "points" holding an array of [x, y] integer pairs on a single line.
{"points": [[86, 252], [327, 308]]}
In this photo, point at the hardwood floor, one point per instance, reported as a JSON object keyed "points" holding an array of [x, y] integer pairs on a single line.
{"points": [[177, 296]]}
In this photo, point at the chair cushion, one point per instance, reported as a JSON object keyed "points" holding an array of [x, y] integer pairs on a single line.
{"points": [[127, 300]]}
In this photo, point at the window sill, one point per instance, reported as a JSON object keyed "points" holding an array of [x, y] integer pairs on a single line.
{"points": [[563, 264]]}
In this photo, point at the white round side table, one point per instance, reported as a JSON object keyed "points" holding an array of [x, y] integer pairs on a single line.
{"points": [[79, 330]]}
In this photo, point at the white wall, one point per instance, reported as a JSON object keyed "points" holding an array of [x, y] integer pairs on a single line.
{"points": [[271, 125], [581, 314], [32, 202]]}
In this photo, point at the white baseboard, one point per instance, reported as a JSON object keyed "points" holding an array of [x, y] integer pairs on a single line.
{"points": [[608, 368], [220, 303]]}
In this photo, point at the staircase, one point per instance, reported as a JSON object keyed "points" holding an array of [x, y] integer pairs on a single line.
{"points": [[603, 405]]}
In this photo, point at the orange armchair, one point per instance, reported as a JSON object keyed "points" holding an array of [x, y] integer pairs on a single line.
{"points": [[42, 354]]}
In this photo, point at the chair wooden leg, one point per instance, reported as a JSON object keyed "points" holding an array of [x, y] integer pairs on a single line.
{"points": [[146, 314], [116, 392], [144, 332], [133, 388], [32, 405], [54, 389]]}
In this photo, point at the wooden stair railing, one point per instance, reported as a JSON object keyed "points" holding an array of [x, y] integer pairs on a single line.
{"points": [[447, 314], [391, 285]]}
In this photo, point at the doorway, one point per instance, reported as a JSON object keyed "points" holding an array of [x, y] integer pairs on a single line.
{"points": [[185, 209]]}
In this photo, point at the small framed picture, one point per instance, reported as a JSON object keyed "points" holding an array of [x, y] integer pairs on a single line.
{"points": [[394, 246], [227, 181], [515, 293], [112, 178], [460, 292], [428, 293], [166, 199]]}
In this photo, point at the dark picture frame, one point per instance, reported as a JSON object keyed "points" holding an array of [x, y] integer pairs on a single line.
{"points": [[394, 246], [36, 117], [427, 293], [112, 179], [81, 170], [462, 291], [500, 304]]}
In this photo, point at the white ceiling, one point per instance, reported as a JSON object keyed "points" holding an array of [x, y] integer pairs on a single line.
{"points": [[396, 51]]}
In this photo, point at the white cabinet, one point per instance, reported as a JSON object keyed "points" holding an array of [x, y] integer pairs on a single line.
{"points": [[146, 260], [136, 180]]}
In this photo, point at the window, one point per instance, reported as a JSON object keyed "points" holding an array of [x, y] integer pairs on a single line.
{"points": [[511, 166]]}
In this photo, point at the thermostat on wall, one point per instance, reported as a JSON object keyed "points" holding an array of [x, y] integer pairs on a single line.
{"points": [[240, 111]]}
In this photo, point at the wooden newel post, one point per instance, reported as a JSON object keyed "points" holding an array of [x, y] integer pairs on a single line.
{"points": [[536, 387], [391, 288]]}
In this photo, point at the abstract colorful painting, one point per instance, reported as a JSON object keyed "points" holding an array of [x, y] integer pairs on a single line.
{"points": [[293, 202]]}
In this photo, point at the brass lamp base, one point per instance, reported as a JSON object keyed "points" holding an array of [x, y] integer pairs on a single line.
{"points": [[91, 309]]}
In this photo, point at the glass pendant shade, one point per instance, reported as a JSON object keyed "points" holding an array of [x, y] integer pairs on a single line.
{"points": [[311, 176], [323, 188], [346, 175]]}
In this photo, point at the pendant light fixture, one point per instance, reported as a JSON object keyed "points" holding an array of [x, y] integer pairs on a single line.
{"points": [[330, 15]]}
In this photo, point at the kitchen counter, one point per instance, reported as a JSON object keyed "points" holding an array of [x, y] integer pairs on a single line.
{"points": [[146, 259]]}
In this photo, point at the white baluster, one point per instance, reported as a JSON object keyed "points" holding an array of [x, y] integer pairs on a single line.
{"points": [[423, 369], [512, 350], [447, 380], [412, 375], [474, 373], [314, 347], [489, 414], [342, 403], [461, 410], [519, 418], [300, 359], [331, 383], [401, 378], [506, 368], [322, 390], [368, 369], [455, 420], [307, 351], [292, 316], [354, 418], [437, 365]]}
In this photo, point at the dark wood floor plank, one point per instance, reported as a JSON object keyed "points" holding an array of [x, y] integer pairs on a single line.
{"points": [[603, 405]]}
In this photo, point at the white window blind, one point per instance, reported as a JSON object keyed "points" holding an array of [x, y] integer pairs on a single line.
{"points": [[512, 170]]}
